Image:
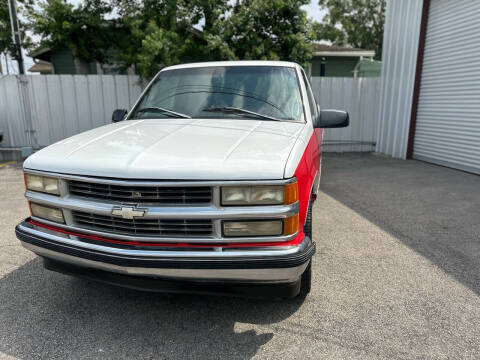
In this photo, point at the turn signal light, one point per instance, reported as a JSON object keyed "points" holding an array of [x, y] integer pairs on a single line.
{"points": [[290, 225], [290, 194]]}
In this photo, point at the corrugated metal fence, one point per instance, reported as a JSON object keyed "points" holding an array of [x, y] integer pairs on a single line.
{"points": [[360, 98], [40, 110]]}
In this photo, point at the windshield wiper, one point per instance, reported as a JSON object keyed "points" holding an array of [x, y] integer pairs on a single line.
{"points": [[160, 109], [240, 111]]}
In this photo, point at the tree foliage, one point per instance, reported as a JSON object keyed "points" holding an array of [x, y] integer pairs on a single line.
{"points": [[5, 29], [161, 33], [82, 28], [270, 30], [6, 44], [357, 23], [155, 33]]}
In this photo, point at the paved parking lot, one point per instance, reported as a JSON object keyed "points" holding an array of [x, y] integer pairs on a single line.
{"points": [[396, 276]]}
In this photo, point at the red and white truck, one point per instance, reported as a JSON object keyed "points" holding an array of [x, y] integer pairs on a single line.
{"points": [[206, 184]]}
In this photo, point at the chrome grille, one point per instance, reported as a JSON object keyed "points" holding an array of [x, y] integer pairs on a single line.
{"points": [[144, 227], [142, 194]]}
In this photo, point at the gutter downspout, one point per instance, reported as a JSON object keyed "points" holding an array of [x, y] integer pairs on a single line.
{"points": [[355, 69]]}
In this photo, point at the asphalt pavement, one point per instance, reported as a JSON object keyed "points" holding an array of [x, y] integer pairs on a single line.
{"points": [[396, 276]]}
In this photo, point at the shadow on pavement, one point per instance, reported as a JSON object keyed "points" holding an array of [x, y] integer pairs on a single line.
{"points": [[432, 209], [49, 315]]}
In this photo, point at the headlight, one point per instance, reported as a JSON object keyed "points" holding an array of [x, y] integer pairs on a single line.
{"points": [[43, 184], [253, 228], [275, 227], [47, 213], [260, 195]]}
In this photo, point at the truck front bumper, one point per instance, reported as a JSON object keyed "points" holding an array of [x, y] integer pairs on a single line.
{"points": [[266, 265]]}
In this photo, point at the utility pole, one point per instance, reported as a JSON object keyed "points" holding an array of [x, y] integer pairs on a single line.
{"points": [[17, 41]]}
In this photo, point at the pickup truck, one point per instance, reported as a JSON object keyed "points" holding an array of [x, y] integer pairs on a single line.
{"points": [[205, 185]]}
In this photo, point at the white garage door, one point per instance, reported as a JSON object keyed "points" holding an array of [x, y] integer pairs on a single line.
{"points": [[448, 118]]}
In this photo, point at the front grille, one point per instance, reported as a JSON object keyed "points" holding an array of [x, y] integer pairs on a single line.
{"points": [[144, 227], [142, 194]]}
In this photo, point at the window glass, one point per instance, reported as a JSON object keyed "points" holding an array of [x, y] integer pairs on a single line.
{"points": [[268, 90]]}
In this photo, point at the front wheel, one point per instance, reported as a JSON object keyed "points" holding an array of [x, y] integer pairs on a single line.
{"points": [[306, 282]]}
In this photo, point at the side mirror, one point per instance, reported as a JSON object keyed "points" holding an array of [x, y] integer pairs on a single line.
{"points": [[332, 119], [119, 115]]}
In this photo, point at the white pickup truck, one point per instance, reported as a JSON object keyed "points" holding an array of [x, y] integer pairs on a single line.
{"points": [[205, 185]]}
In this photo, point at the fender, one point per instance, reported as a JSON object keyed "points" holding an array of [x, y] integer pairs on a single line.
{"points": [[308, 174]]}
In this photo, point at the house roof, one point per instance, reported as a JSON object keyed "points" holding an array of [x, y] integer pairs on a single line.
{"points": [[333, 50], [42, 67], [41, 53]]}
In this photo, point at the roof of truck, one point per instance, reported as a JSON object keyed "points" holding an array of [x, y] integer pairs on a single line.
{"points": [[233, 63]]}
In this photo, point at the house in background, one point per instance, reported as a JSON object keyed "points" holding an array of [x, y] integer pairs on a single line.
{"points": [[338, 61], [41, 67], [48, 61]]}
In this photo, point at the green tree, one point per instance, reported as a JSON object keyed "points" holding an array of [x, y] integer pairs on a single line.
{"points": [[5, 29], [82, 28], [212, 16], [166, 32], [162, 47], [206, 12], [6, 44], [152, 34], [357, 23], [270, 30]]}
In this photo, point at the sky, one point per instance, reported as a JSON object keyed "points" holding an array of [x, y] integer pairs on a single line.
{"points": [[313, 11]]}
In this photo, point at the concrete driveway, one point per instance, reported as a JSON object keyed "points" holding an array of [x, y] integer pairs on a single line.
{"points": [[396, 276]]}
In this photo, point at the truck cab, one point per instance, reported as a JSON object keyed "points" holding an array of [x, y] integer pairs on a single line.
{"points": [[205, 185]]}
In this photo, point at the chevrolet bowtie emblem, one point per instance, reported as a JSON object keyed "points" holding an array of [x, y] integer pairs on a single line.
{"points": [[128, 212]]}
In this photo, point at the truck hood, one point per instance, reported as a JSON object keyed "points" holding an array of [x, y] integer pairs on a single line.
{"points": [[174, 149]]}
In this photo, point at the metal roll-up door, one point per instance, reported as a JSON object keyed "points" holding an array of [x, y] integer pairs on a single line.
{"points": [[448, 118]]}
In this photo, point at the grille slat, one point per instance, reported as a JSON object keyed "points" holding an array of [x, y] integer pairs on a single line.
{"points": [[119, 221], [149, 194], [145, 227]]}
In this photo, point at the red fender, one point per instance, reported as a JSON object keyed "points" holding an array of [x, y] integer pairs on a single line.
{"points": [[305, 173]]}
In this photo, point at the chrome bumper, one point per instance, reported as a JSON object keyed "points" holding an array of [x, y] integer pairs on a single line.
{"points": [[252, 265]]}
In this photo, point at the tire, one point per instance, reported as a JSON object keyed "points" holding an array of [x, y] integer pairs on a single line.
{"points": [[306, 282], [307, 227]]}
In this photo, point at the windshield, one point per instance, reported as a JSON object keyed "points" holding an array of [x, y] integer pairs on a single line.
{"points": [[233, 92]]}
